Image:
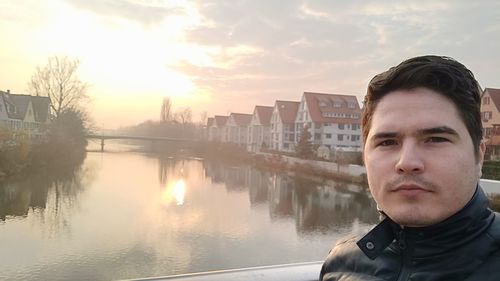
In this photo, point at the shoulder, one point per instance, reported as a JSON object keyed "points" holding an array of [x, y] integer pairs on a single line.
{"points": [[489, 270], [345, 248], [346, 262], [494, 229]]}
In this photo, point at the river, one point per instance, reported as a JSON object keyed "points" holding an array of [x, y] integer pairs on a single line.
{"points": [[128, 215]]}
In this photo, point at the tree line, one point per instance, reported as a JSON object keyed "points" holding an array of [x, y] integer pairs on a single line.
{"points": [[173, 124]]}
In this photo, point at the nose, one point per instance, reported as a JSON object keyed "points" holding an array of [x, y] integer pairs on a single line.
{"points": [[410, 159]]}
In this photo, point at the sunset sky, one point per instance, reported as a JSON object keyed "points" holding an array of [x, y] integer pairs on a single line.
{"points": [[224, 56]]}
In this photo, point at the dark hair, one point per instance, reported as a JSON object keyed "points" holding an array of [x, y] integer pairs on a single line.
{"points": [[443, 75]]}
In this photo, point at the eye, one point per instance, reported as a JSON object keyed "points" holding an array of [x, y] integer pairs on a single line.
{"points": [[387, 142], [437, 139]]}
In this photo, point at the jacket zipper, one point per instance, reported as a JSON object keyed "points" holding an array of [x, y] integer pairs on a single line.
{"points": [[404, 273]]}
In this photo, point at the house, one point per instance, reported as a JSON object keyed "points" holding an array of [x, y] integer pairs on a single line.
{"points": [[30, 114], [209, 131], [283, 125], [237, 128], [333, 120], [490, 117], [490, 110], [259, 130], [216, 128], [493, 144]]}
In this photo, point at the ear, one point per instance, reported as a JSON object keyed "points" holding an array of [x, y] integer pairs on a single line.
{"points": [[482, 150]]}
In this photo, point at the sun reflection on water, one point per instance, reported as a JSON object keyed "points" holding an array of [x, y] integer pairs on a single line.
{"points": [[174, 192]]}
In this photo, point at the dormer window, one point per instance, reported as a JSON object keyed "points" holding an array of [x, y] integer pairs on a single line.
{"points": [[351, 105], [337, 104]]}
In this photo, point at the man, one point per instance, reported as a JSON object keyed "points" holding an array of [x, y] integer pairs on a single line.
{"points": [[423, 153]]}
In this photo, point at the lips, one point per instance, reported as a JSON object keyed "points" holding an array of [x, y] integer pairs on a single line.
{"points": [[410, 189]]}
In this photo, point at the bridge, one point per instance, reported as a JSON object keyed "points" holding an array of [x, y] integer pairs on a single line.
{"points": [[118, 137]]}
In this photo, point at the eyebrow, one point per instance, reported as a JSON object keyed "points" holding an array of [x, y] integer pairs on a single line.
{"points": [[438, 130], [427, 131]]}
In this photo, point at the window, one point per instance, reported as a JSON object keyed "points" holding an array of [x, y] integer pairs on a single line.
{"points": [[341, 126], [486, 100], [351, 105], [340, 137], [354, 137], [337, 104], [354, 127], [328, 136], [486, 115]]}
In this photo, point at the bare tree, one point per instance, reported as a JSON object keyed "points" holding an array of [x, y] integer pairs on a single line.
{"points": [[203, 117], [184, 116], [58, 80], [165, 110]]}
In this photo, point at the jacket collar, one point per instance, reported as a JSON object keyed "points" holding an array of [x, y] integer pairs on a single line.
{"points": [[458, 229]]}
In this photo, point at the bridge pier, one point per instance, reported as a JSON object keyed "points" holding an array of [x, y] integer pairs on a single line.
{"points": [[153, 146], [102, 145]]}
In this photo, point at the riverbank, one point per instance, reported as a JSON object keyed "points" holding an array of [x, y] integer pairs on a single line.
{"points": [[39, 158], [281, 163]]}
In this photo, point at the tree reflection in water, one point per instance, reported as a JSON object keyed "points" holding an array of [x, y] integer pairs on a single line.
{"points": [[50, 194]]}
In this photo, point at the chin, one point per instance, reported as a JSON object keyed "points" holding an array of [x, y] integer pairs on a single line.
{"points": [[412, 218]]}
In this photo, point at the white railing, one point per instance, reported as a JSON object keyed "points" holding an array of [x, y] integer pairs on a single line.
{"points": [[308, 271]]}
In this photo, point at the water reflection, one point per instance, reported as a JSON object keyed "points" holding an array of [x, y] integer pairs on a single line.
{"points": [[174, 191], [122, 216], [50, 194], [316, 206]]}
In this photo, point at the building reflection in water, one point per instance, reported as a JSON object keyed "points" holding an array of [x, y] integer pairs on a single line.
{"points": [[316, 206]]}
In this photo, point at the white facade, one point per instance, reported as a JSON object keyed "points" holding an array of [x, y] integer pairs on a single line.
{"points": [[259, 131], [283, 132], [335, 122], [18, 113], [236, 129]]}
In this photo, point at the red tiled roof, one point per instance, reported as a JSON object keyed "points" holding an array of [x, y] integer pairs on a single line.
{"points": [[242, 119], [287, 110], [319, 103], [495, 96], [220, 121], [264, 113]]}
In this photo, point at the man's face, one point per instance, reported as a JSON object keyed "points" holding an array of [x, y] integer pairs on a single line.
{"points": [[419, 158]]}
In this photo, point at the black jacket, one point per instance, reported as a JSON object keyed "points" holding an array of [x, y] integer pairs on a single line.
{"points": [[466, 246]]}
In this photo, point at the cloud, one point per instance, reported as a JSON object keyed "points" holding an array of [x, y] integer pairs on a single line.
{"points": [[145, 12], [270, 49]]}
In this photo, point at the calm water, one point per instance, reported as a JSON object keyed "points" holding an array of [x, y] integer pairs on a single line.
{"points": [[126, 215]]}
